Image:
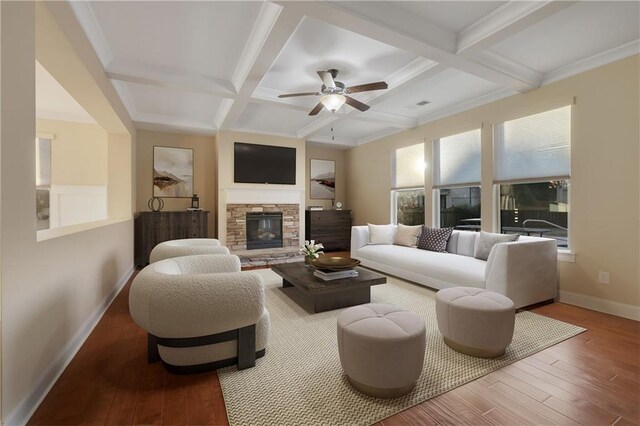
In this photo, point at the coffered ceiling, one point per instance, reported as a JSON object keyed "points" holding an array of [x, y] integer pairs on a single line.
{"points": [[208, 66]]}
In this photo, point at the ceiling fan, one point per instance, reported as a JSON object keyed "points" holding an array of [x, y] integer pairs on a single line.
{"points": [[335, 94]]}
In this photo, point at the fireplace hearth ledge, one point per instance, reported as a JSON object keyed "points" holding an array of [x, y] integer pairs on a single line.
{"points": [[267, 257]]}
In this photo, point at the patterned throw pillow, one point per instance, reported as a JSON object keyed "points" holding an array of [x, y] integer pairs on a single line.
{"points": [[488, 240], [407, 235], [434, 239]]}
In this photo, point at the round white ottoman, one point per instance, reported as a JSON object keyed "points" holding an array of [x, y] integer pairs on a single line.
{"points": [[381, 348], [475, 321], [186, 247]]}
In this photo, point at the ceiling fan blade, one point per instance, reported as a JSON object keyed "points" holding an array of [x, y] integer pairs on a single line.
{"points": [[356, 104], [367, 87], [316, 109], [327, 79], [292, 95]]}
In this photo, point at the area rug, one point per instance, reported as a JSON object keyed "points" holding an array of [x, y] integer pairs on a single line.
{"points": [[300, 382]]}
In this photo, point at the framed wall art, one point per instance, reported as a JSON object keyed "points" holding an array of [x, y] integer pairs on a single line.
{"points": [[172, 172], [322, 179]]}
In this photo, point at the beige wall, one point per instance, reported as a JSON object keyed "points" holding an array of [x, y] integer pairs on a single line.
{"points": [[604, 183], [321, 153], [78, 152], [204, 171], [225, 171], [52, 291]]}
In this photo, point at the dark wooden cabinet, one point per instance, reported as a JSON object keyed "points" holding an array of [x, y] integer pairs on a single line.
{"points": [[152, 228], [332, 228]]}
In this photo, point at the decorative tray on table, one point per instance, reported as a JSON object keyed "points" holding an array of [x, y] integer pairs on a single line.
{"points": [[334, 263]]}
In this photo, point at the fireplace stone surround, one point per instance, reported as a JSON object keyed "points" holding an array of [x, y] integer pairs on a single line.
{"points": [[236, 223]]}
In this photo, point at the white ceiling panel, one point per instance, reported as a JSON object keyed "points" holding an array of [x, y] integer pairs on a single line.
{"points": [[202, 38], [319, 46], [451, 15], [348, 128], [53, 102], [577, 32], [443, 90], [170, 102], [173, 62], [270, 119]]}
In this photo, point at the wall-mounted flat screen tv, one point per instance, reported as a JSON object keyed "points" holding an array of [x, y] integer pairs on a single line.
{"points": [[254, 163]]}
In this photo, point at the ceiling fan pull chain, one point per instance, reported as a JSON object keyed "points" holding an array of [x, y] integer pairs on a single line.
{"points": [[333, 136]]}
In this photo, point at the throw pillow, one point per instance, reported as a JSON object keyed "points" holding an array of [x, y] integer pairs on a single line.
{"points": [[381, 234], [488, 240], [407, 235], [434, 239]]}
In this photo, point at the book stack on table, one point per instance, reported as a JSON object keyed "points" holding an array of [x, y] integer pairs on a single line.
{"points": [[328, 275]]}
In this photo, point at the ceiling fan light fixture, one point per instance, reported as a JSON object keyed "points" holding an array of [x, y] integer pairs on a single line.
{"points": [[333, 101]]}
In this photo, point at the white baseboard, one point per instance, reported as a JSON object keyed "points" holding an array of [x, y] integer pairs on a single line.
{"points": [[601, 305], [23, 412]]}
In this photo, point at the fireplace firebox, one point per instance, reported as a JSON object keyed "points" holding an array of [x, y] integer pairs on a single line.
{"points": [[264, 230]]}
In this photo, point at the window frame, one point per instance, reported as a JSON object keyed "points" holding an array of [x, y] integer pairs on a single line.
{"points": [[394, 203], [565, 254], [435, 173]]}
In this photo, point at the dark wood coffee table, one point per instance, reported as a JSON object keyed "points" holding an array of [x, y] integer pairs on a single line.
{"points": [[328, 295]]}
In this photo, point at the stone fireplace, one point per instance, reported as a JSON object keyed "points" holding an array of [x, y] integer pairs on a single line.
{"points": [[258, 223]]}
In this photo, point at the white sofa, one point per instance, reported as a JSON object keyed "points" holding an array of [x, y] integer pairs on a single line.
{"points": [[525, 270]]}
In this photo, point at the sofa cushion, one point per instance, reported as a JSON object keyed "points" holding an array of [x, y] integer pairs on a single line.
{"points": [[434, 239], [441, 267], [407, 235], [488, 240], [462, 242], [381, 234]]}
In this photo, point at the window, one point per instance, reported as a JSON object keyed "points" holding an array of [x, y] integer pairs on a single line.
{"points": [[456, 177], [533, 169], [43, 181], [407, 196]]}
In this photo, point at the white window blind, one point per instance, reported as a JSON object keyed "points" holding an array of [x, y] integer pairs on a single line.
{"points": [[457, 160], [537, 146], [409, 167]]}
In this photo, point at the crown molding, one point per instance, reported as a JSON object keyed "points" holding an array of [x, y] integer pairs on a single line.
{"points": [[378, 135], [464, 106], [600, 59]]}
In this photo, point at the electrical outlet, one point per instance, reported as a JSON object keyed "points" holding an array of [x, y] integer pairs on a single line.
{"points": [[603, 277]]}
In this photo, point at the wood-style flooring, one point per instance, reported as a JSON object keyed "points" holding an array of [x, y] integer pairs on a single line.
{"points": [[590, 379]]}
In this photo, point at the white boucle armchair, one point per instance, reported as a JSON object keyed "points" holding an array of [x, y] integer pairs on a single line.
{"points": [[200, 313], [186, 247]]}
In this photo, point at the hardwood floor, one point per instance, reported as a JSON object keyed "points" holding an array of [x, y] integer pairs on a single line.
{"points": [[590, 379]]}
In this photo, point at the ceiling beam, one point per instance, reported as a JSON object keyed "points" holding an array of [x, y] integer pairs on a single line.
{"points": [[337, 141], [163, 122], [492, 60], [272, 30], [364, 22], [509, 19], [160, 77]]}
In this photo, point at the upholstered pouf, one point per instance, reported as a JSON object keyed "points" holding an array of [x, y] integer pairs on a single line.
{"points": [[381, 348], [186, 247], [475, 321]]}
